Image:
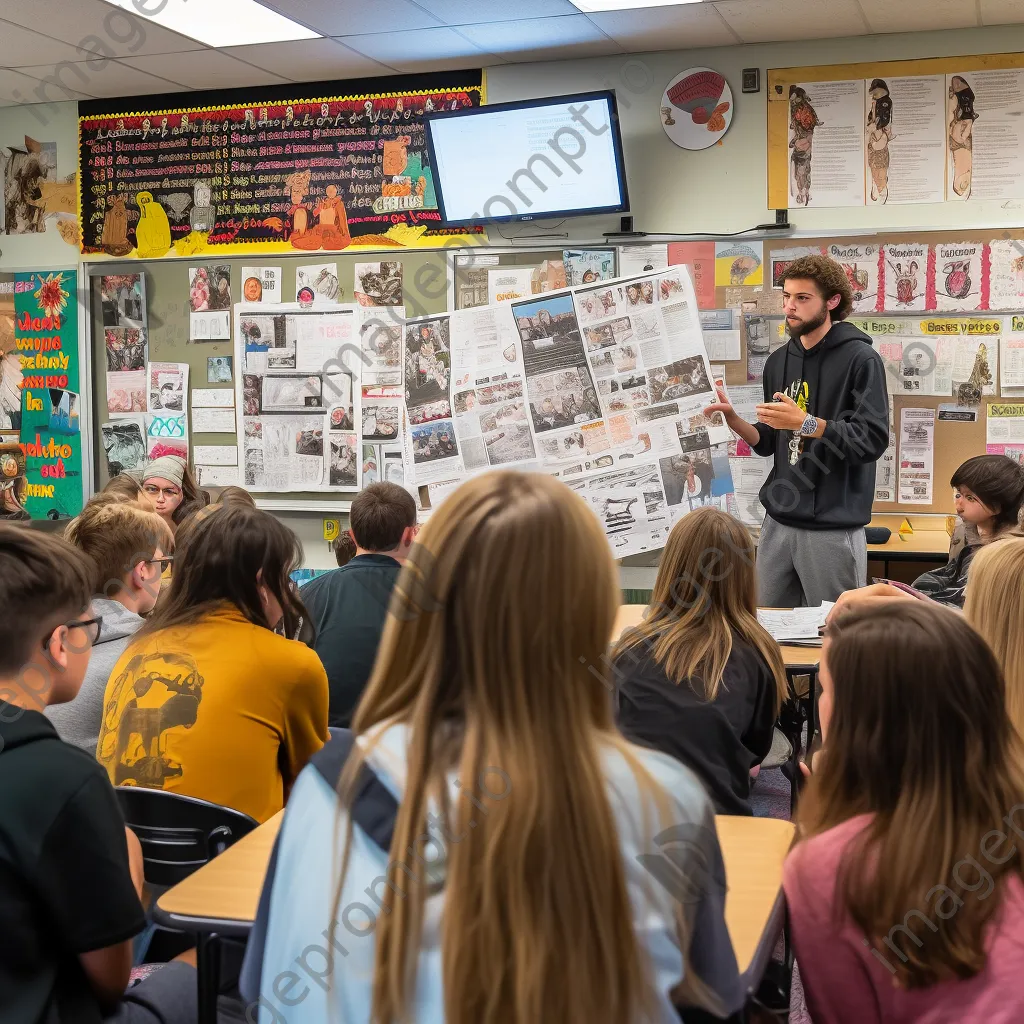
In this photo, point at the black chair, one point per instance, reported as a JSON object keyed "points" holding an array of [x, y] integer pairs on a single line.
{"points": [[179, 834]]}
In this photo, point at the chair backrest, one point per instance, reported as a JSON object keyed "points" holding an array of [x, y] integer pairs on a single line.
{"points": [[179, 834]]}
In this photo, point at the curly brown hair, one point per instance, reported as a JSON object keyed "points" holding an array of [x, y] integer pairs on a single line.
{"points": [[830, 278]]}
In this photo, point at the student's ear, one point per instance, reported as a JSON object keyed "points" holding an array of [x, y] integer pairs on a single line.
{"points": [[834, 301], [409, 535], [56, 647]]}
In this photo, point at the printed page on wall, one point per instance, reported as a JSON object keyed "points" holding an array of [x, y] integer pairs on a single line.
{"points": [[917, 453], [905, 141], [298, 397], [826, 144], [985, 134]]}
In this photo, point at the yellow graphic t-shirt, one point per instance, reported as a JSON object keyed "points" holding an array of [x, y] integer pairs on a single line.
{"points": [[222, 710]]}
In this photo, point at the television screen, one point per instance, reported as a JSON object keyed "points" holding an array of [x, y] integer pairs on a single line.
{"points": [[553, 157]]}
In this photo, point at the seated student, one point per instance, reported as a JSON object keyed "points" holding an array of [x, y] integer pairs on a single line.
{"points": [[700, 678], [995, 608], [208, 700], [905, 890], [344, 549], [170, 484], [347, 606], [235, 495], [988, 496], [126, 487], [487, 732], [70, 873], [129, 548]]}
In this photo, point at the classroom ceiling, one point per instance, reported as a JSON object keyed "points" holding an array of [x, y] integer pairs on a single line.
{"points": [[381, 37]]}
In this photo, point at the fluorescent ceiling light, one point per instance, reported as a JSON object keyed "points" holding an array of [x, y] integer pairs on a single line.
{"points": [[596, 6], [219, 22]]}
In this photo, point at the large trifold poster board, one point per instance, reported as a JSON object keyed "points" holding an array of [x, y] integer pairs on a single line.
{"points": [[280, 169], [603, 386], [920, 131]]}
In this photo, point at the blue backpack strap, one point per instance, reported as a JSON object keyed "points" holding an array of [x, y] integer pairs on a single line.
{"points": [[374, 807]]}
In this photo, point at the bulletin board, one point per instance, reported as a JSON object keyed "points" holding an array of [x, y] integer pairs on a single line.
{"points": [[955, 442], [780, 115], [167, 295]]}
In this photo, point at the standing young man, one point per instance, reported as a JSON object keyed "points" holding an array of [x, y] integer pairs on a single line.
{"points": [[825, 420]]}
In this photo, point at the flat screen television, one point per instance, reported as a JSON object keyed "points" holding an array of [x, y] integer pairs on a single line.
{"points": [[554, 157]]}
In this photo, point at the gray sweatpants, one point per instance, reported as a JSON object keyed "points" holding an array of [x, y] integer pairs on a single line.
{"points": [[801, 568]]}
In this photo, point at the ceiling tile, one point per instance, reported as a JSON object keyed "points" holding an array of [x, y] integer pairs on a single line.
{"points": [[112, 78], [355, 17], [762, 21], [20, 47], [75, 21], [1002, 12], [309, 60], [430, 49], [17, 87], [482, 12], [542, 39], [666, 28], [919, 15], [204, 69]]}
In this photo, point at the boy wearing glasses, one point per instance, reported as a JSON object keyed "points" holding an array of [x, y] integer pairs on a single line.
{"points": [[129, 548], [70, 873]]}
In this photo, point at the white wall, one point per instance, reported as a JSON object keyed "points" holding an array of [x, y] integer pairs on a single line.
{"points": [[44, 122], [721, 189]]}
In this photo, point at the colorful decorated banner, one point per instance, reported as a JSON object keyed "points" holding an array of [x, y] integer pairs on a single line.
{"points": [[278, 170], [46, 341]]}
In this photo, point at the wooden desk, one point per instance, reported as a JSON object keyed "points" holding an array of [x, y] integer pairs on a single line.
{"points": [[920, 546], [222, 896]]}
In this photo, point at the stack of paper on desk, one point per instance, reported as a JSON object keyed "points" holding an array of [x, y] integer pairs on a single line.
{"points": [[797, 627]]}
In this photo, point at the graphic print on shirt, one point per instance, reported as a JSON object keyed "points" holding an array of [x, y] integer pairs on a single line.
{"points": [[800, 394], [155, 693]]}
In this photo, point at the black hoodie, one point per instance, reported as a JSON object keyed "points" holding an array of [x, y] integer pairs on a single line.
{"points": [[840, 380]]}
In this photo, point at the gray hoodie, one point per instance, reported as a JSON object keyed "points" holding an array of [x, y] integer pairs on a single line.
{"points": [[78, 721]]}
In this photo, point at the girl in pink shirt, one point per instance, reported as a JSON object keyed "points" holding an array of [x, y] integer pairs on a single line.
{"points": [[905, 889]]}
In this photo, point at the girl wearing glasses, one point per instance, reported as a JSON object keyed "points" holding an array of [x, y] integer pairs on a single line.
{"points": [[171, 486]]}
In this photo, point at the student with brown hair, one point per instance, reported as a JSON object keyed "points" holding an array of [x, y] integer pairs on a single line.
{"points": [[170, 484], [129, 548], [485, 820], [825, 422], [234, 495], [208, 700], [701, 679], [347, 606], [70, 873], [126, 487], [905, 891]]}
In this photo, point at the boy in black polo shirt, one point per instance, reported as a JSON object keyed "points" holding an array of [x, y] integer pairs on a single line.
{"points": [[69, 888]]}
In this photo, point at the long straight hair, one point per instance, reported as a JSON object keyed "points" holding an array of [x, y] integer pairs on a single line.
{"points": [[193, 497], [489, 653], [920, 740], [995, 608], [706, 592], [218, 556]]}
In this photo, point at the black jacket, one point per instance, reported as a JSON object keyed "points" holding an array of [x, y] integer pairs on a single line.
{"points": [[841, 380], [720, 741]]}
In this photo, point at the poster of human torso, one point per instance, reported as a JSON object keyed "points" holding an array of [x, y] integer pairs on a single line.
{"points": [[272, 170]]}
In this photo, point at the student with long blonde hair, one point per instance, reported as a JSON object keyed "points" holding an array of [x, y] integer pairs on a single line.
{"points": [[483, 846], [700, 678], [995, 608], [905, 892]]}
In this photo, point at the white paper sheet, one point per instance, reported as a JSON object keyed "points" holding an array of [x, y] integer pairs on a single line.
{"points": [[218, 476], [215, 454], [639, 259], [505, 284], [213, 398], [1005, 423], [826, 137], [268, 280], [905, 158], [917, 454], [211, 325], [213, 421], [1011, 363]]}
